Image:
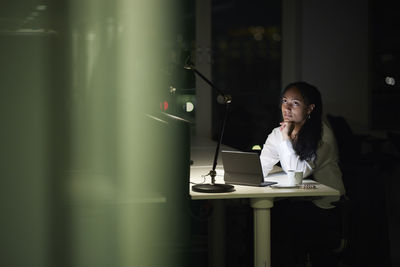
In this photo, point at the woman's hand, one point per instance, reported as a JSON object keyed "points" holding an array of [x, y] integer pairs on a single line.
{"points": [[286, 129]]}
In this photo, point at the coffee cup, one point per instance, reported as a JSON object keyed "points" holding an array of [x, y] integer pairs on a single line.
{"points": [[294, 177]]}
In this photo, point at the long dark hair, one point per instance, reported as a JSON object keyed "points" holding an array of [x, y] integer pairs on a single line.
{"points": [[310, 135]]}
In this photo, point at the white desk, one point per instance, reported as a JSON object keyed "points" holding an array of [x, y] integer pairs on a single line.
{"points": [[261, 199]]}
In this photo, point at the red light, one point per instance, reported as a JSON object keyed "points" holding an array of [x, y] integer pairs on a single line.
{"points": [[164, 105]]}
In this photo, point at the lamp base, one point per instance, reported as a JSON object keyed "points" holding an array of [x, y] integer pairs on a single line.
{"points": [[213, 188]]}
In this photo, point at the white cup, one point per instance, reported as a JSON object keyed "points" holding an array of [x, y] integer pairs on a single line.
{"points": [[294, 177]]}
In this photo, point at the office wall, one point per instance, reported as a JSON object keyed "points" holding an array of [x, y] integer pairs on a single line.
{"points": [[327, 43]]}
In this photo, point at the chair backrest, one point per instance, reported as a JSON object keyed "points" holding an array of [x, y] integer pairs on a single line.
{"points": [[348, 145]]}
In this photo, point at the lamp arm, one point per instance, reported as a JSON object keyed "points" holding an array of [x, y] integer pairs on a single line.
{"points": [[207, 81], [222, 99]]}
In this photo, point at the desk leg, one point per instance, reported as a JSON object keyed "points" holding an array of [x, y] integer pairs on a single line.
{"points": [[216, 255], [262, 231]]}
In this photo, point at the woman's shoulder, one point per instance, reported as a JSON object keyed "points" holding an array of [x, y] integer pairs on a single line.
{"points": [[327, 133], [327, 152], [328, 137]]}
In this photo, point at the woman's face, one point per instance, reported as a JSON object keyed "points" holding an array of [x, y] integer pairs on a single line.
{"points": [[293, 107]]}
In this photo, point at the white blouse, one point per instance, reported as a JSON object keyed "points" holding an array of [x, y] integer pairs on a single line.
{"points": [[325, 169]]}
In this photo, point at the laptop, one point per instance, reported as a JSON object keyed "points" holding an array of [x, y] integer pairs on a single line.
{"points": [[243, 168]]}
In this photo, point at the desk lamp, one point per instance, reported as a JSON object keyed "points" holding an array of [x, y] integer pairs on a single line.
{"points": [[221, 99]]}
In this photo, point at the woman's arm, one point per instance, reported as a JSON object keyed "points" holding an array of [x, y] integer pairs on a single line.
{"points": [[288, 157], [269, 155], [291, 161], [277, 148]]}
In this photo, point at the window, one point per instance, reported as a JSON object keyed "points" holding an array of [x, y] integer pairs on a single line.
{"points": [[246, 53]]}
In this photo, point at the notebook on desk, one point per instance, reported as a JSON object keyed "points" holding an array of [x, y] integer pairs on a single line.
{"points": [[243, 168]]}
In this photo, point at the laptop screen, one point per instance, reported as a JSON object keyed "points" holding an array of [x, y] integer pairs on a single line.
{"points": [[241, 162]]}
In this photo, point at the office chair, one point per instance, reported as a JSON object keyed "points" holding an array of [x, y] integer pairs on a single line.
{"points": [[363, 207]]}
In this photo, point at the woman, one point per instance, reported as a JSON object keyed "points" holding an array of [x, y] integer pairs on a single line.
{"points": [[303, 142]]}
